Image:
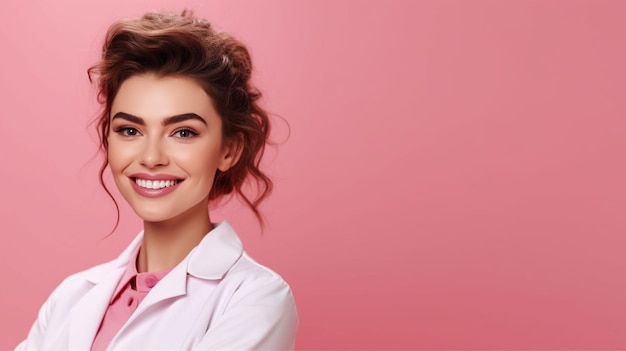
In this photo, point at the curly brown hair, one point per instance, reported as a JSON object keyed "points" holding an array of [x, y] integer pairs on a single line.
{"points": [[167, 44]]}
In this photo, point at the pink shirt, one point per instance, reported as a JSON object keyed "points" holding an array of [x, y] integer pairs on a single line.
{"points": [[131, 290]]}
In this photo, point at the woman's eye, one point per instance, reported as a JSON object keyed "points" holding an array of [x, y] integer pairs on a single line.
{"points": [[185, 133], [127, 131]]}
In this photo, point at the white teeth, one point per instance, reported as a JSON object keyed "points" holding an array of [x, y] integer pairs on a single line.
{"points": [[156, 184]]}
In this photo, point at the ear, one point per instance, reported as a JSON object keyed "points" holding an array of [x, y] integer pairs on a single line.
{"points": [[231, 154]]}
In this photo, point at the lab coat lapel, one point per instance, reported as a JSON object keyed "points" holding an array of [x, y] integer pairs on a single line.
{"points": [[86, 315], [211, 259]]}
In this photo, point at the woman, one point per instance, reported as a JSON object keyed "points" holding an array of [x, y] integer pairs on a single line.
{"points": [[180, 127]]}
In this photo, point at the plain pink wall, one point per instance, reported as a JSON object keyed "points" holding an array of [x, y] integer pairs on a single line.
{"points": [[454, 176]]}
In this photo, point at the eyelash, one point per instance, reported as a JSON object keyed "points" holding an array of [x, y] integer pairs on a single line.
{"points": [[192, 132], [125, 130]]}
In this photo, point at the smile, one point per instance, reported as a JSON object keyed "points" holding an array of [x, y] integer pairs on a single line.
{"points": [[156, 184]]}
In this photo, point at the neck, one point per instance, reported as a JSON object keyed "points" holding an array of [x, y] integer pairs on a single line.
{"points": [[167, 243]]}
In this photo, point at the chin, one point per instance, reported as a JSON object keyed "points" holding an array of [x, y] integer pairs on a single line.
{"points": [[158, 212], [155, 215]]}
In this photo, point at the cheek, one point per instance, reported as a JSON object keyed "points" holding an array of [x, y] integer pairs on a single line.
{"points": [[117, 156], [196, 167], [200, 160]]}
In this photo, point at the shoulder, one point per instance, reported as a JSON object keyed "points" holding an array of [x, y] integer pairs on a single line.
{"points": [[53, 313], [89, 277], [248, 271], [258, 311], [83, 280], [257, 284], [247, 267]]}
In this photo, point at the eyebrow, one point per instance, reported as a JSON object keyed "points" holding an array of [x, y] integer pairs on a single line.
{"points": [[167, 121]]}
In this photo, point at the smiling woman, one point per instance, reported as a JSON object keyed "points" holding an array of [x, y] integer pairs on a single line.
{"points": [[167, 123], [180, 127]]}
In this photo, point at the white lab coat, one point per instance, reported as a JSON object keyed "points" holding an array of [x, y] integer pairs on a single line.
{"points": [[217, 298]]}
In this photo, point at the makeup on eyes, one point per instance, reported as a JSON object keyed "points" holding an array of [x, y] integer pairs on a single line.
{"points": [[125, 130], [191, 131]]}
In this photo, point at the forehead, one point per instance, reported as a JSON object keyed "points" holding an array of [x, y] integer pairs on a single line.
{"points": [[152, 97]]}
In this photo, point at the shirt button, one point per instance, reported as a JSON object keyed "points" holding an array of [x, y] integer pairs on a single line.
{"points": [[130, 301], [151, 281]]}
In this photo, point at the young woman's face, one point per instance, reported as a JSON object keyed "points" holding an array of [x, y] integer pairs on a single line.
{"points": [[165, 145]]}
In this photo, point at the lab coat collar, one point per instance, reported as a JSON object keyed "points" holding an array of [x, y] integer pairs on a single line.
{"points": [[216, 254], [211, 259], [218, 251]]}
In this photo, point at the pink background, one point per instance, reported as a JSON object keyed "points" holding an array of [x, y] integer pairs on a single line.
{"points": [[454, 176]]}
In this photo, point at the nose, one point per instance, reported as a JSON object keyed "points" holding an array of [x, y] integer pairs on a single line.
{"points": [[153, 154]]}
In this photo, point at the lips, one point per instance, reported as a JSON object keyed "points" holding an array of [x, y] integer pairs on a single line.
{"points": [[158, 185], [155, 184]]}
